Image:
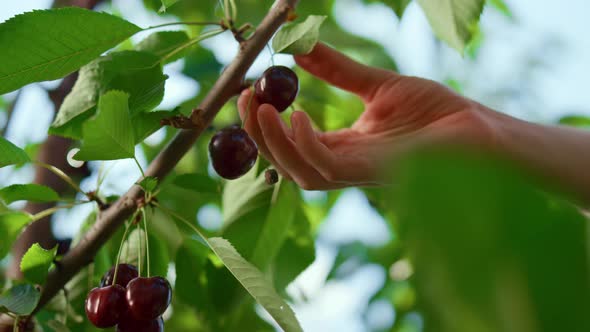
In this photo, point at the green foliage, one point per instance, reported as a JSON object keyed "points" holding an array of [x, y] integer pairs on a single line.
{"points": [[501, 6], [49, 44], [197, 182], [167, 4], [278, 222], [190, 260], [580, 121], [108, 135], [164, 45], [453, 21], [36, 262], [28, 192], [398, 6], [256, 284], [11, 223], [484, 238], [20, 299], [136, 73], [148, 184], [11, 154], [298, 38], [145, 124]]}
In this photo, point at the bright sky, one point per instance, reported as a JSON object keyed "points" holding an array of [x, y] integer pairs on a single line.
{"points": [[550, 32]]}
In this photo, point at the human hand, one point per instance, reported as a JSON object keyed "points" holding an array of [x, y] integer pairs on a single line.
{"points": [[400, 112]]}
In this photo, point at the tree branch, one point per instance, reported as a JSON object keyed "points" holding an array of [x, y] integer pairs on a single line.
{"points": [[225, 87]]}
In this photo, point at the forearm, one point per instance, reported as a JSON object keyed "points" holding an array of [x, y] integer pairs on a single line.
{"points": [[557, 153]]}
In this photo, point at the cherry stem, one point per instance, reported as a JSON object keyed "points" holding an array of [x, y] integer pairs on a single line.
{"points": [[15, 326], [191, 42], [66, 178], [248, 108], [121, 247], [272, 54], [139, 166], [183, 23], [50, 211], [139, 251], [147, 241]]}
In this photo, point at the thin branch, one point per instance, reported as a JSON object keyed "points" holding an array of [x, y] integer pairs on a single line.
{"points": [[112, 218]]}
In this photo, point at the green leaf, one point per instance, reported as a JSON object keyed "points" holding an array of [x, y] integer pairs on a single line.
{"points": [[164, 44], [20, 300], [28, 192], [200, 183], [167, 4], [148, 184], [398, 6], [255, 283], [57, 326], [481, 233], [277, 225], [49, 44], [296, 254], [159, 257], [580, 121], [11, 154], [298, 38], [145, 124], [11, 223], [244, 195], [36, 262], [130, 252], [108, 135], [137, 73], [453, 21], [190, 262], [501, 6]]}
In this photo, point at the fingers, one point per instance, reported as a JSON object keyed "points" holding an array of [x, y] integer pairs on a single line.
{"points": [[285, 153], [252, 127], [332, 167], [339, 70]]}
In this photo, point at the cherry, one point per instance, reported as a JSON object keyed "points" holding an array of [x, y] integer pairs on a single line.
{"points": [[271, 176], [148, 298], [126, 273], [233, 152], [277, 86], [104, 305], [130, 325], [63, 246]]}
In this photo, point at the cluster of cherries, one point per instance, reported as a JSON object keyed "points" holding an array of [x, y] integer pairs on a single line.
{"points": [[131, 302], [232, 151]]}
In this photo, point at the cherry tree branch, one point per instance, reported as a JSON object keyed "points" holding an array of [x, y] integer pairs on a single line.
{"points": [[112, 218]]}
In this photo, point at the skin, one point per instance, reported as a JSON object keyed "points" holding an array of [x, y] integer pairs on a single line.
{"points": [[400, 114]]}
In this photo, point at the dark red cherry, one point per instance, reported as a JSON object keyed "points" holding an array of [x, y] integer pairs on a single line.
{"points": [[126, 273], [277, 86], [130, 325], [233, 152], [148, 298], [104, 305]]}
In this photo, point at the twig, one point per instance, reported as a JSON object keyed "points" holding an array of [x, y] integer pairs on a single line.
{"points": [[112, 218]]}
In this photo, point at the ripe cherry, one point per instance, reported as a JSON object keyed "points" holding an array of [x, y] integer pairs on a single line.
{"points": [[126, 273], [104, 305], [233, 152], [148, 298], [130, 325], [277, 86]]}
